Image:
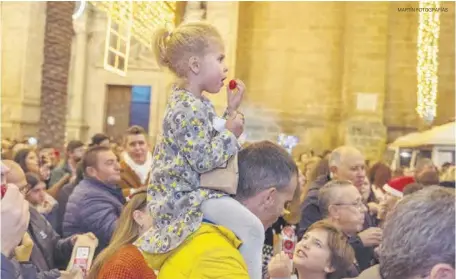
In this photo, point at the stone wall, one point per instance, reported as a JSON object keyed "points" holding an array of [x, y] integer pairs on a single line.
{"points": [[22, 31], [447, 91], [305, 64], [289, 57]]}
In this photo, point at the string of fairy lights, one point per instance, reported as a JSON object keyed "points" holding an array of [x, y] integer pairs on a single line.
{"points": [[427, 67]]}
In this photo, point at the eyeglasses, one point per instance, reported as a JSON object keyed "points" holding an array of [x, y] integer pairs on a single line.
{"points": [[358, 205]]}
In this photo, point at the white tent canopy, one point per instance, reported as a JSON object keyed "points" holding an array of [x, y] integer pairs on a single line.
{"points": [[439, 135]]}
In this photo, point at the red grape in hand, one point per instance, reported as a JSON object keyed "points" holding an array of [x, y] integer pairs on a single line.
{"points": [[232, 85]]}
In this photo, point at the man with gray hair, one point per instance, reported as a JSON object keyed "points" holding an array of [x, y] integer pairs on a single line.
{"points": [[418, 238], [345, 163], [419, 235], [341, 203]]}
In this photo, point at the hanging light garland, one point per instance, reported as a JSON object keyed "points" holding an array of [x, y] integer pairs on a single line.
{"points": [[428, 48]]}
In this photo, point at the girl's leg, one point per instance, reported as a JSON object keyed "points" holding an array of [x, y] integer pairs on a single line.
{"points": [[230, 213]]}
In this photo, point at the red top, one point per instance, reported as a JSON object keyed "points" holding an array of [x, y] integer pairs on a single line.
{"points": [[127, 263]]}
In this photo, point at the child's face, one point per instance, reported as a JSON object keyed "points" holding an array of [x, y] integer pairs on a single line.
{"points": [[213, 69]]}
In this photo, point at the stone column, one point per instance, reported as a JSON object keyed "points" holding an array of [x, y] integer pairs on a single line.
{"points": [[364, 73], [77, 82]]}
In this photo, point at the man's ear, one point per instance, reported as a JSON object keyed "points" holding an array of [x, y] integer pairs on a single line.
{"points": [[91, 171], [329, 269], [333, 212], [269, 197], [442, 271], [194, 64]]}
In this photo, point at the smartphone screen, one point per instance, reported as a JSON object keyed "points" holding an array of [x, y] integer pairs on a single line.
{"points": [[81, 260]]}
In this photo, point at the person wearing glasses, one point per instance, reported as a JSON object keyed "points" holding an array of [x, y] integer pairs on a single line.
{"points": [[341, 203], [50, 252], [41, 200]]}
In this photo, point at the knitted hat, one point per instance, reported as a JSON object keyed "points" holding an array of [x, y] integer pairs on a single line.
{"points": [[396, 186], [15, 216]]}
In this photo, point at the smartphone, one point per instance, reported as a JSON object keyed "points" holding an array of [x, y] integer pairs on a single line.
{"points": [[81, 260]]}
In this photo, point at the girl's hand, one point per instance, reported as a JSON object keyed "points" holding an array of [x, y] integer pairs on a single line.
{"points": [[235, 96], [280, 266], [235, 124]]}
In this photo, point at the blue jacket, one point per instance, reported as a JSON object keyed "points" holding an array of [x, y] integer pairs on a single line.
{"points": [[93, 207], [12, 269]]}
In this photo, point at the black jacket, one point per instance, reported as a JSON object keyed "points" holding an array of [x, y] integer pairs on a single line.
{"points": [[50, 251]]}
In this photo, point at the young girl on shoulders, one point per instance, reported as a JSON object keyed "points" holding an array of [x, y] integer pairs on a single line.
{"points": [[193, 144]]}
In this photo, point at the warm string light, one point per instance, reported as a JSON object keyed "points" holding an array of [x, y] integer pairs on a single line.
{"points": [[428, 47]]}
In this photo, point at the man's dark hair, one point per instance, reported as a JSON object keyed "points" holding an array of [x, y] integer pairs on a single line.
{"points": [[90, 157], [98, 138], [73, 145], [263, 165]]}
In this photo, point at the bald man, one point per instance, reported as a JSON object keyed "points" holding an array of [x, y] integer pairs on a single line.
{"points": [[345, 163], [16, 176], [49, 250]]}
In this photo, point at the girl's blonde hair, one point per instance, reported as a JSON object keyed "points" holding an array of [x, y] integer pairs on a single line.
{"points": [[173, 49], [127, 232]]}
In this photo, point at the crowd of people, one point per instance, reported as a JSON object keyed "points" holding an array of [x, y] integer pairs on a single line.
{"points": [[200, 205]]}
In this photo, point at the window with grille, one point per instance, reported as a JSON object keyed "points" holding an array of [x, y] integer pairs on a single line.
{"points": [[127, 19]]}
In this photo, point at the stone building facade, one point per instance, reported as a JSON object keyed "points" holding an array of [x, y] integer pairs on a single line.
{"points": [[329, 72]]}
